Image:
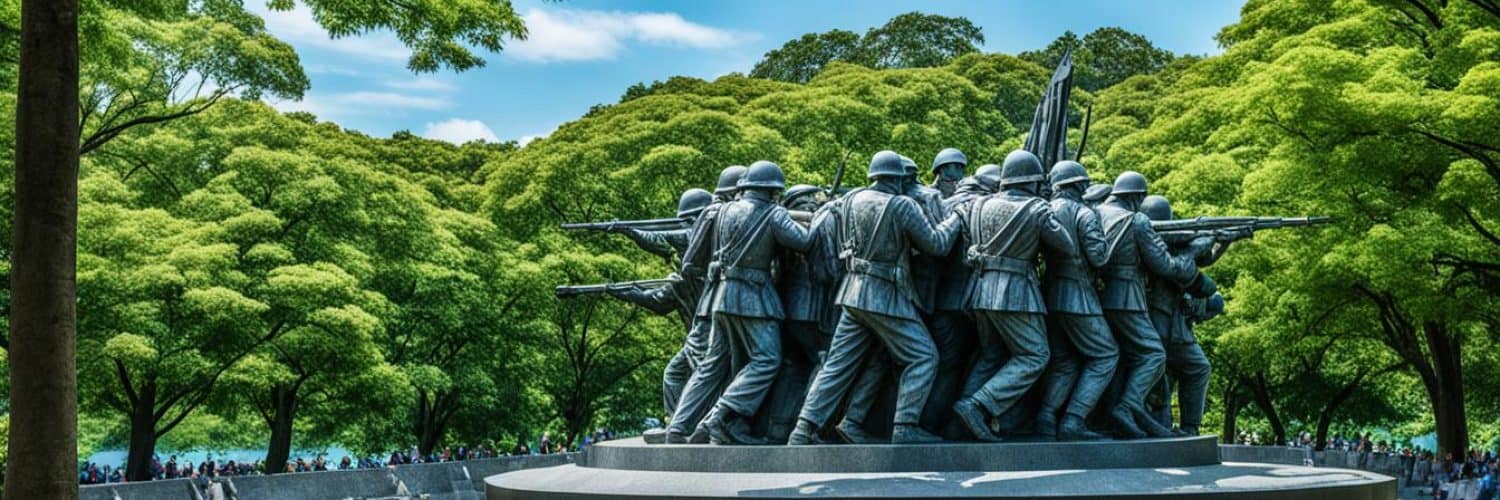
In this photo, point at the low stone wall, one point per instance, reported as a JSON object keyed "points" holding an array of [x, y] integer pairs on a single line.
{"points": [[439, 481], [1389, 464]]}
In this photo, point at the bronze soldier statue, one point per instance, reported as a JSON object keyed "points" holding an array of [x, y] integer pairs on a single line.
{"points": [[947, 170], [670, 243], [1136, 252], [951, 325], [706, 382], [924, 268], [747, 311], [1169, 302], [1083, 351], [1005, 232], [880, 227], [807, 298]]}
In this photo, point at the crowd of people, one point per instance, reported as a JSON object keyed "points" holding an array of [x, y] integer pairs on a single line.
{"points": [[1468, 477], [172, 468]]}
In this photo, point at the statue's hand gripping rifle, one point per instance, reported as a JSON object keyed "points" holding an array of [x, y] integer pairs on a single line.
{"points": [[567, 291]]}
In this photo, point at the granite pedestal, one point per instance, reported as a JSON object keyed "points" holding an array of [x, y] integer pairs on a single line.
{"points": [[1175, 467]]}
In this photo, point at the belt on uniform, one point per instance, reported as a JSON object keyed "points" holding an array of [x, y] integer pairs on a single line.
{"points": [[1120, 272], [1068, 271], [882, 270], [1003, 264], [752, 275]]}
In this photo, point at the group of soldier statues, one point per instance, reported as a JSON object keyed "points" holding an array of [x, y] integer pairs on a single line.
{"points": [[1008, 302]]}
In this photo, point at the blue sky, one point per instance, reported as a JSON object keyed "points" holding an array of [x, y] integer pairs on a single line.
{"points": [[586, 52]]}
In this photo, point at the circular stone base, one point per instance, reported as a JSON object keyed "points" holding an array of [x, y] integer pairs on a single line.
{"points": [[633, 454], [1229, 480], [1180, 467]]}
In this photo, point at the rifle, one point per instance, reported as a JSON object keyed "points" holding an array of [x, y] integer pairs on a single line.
{"points": [[566, 291], [1252, 223], [1088, 118], [838, 175], [643, 224]]}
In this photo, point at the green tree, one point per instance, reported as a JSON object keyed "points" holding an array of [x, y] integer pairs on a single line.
{"points": [[1104, 57], [917, 40], [801, 59]]}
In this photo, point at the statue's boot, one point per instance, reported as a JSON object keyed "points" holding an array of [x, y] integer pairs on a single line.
{"points": [[654, 436], [1046, 425], [1073, 429], [700, 435], [675, 438], [727, 428], [912, 433], [854, 433], [804, 434], [1152, 427], [973, 418], [1186, 431], [1125, 424]]}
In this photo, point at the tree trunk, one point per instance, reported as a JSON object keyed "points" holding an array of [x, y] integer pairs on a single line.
{"points": [[1232, 404], [43, 441], [1325, 417], [142, 435], [1262, 396], [280, 448], [433, 411], [1447, 390]]}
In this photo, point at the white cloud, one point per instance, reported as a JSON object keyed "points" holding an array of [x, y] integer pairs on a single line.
{"points": [[586, 35], [298, 28], [390, 100], [526, 139], [459, 131], [347, 104]]}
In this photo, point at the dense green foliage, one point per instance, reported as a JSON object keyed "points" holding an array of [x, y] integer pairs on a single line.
{"points": [[252, 278]]}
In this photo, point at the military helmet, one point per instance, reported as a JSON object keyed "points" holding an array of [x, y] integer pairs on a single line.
{"points": [[729, 179], [763, 175], [885, 164], [949, 155], [1020, 167], [908, 166], [692, 202], [1067, 172], [1156, 208], [1130, 183], [798, 191], [988, 175]]}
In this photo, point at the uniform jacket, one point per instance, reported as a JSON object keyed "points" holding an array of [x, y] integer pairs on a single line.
{"points": [[663, 299], [1006, 231], [925, 268], [1068, 284], [666, 243], [699, 254], [1135, 251], [878, 232], [746, 237], [954, 272]]}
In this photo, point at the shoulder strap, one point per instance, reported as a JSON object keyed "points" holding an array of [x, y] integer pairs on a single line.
{"points": [[745, 237], [1115, 230], [994, 242]]}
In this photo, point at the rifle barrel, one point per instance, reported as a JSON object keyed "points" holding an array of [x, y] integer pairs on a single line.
{"points": [[645, 224]]}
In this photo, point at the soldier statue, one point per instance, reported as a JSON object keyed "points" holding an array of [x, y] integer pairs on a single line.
{"points": [[924, 268], [706, 382], [670, 243], [1083, 351], [807, 299], [1005, 232], [947, 170], [1136, 253], [1171, 314], [741, 295], [880, 227], [952, 328]]}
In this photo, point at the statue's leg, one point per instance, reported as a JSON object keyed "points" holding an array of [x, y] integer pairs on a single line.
{"points": [[1025, 336], [1191, 369], [787, 393], [1159, 399], [1146, 362], [991, 356], [953, 335], [910, 345], [846, 352], [674, 378], [1099, 354], [759, 342], [708, 380], [1058, 381]]}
